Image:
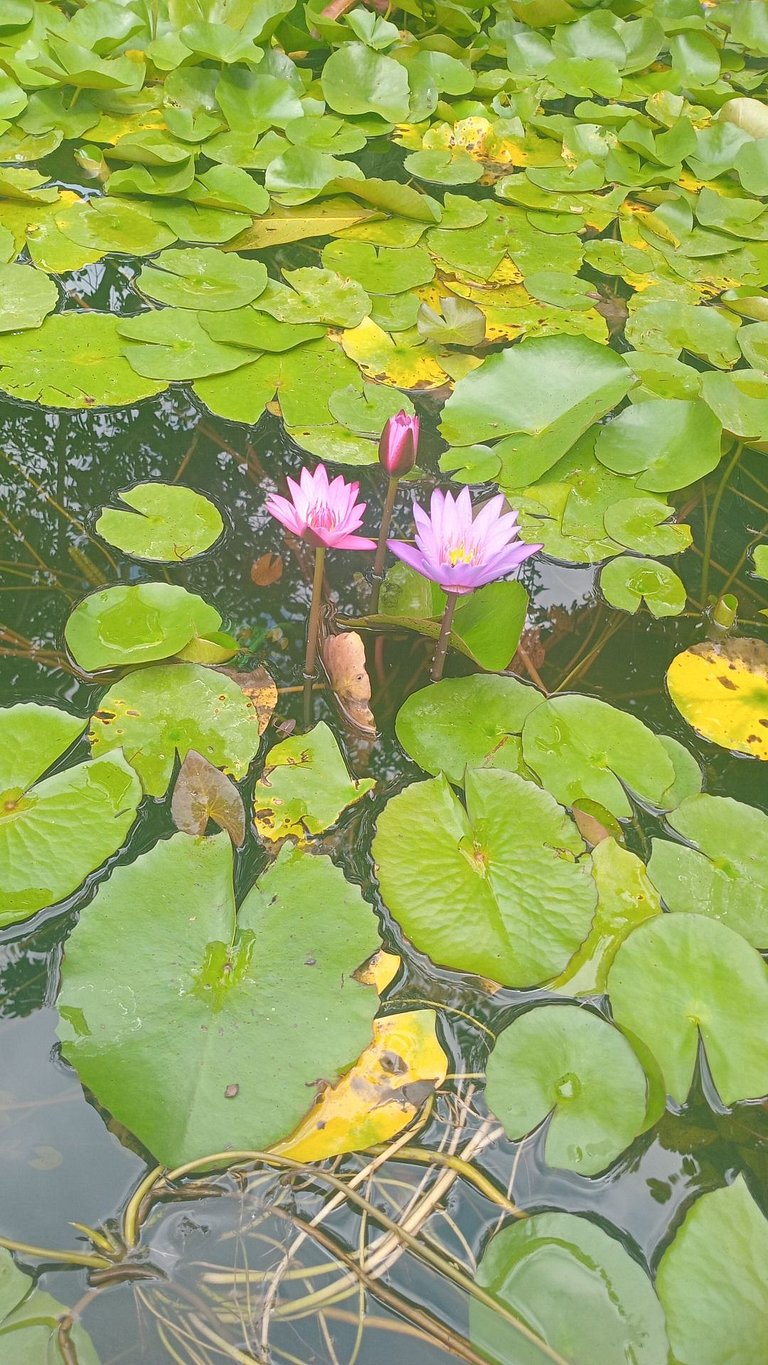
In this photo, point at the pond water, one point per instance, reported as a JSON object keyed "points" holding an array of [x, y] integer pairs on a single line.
{"points": [[386, 1242]]}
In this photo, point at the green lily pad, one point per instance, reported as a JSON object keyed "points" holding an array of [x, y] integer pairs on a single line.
{"points": [[305, 786], [335, 444], [254, 330], [200, 1027], [681, 981], [366, 411], [669, 327], [136, 624], [739, 400], [583, 748], [441, 167], [575, 1287], [722, 868], [173, 523], [72, 361], [522, 897], [753, 340], [172, 344], [30, 1319], [54, 832], [668, 442], [625, 898], [357, 80], [202, 278], [114, 225], [168, 709], [568, 1068], [317, 296], [462, 723], [627, 582], [710, 1280], [380, 270], [643, 524], [301, 173], [27, 296], [303, 378], [458, 323]]}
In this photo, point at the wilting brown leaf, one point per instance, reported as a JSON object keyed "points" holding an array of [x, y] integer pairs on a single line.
{"points": [[343, 659], [594, 823], [260, 687], [203, 793], [267, 569]]}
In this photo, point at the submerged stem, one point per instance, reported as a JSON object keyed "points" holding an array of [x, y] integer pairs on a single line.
{"points": [[712, 520], [381, 548], [310, 659], [438, 663]]}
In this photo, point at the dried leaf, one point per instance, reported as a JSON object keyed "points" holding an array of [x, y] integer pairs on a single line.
{"points": [[267, 569], [260, 688], [204, 793], [343, 658]]}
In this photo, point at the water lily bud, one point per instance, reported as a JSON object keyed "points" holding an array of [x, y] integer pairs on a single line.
{"points": [[399, 444]]}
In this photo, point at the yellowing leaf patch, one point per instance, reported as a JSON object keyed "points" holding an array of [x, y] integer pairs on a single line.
{"points": [[721, 688]]}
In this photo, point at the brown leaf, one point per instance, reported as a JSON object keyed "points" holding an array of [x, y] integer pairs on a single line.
{"points": [[266, 570], [594, 823], [204, 793], [343, 658], [260, 688]]}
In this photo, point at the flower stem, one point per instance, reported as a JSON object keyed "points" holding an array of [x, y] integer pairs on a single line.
{"points": [[310, 659], [381, 548], [444, 637]]}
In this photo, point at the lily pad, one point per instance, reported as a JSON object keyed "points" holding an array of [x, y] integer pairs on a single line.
{"points": [[30, 1323], [127, 227], [168, 709], [669, 327], [462, 723], [174, 523], [721, 688], [357, 80], [575, 1288], [710, 1280], [203, 793], [27, 296], [380, 270], [317, 296], [54, 832], [668, 442], [240, 1012], [566, 1067], [581, 747], [739, 400], [203, 278], [171, 344], [522, 897], [305, 786], [681, 981], [643, 524], [627, 582], [136, 624], [722, 868], [73, 360]]}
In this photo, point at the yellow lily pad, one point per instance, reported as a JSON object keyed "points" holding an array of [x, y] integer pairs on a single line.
{"points": [[721, 689], [381, 1094], [406, 361]]}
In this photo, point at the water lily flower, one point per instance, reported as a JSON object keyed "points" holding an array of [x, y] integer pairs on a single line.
{"points": [[460, 551], [399, 444], [326, 515], [398, 448]]}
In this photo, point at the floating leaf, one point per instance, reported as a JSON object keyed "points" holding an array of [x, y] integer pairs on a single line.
{"points": [[721, 689], [625, 898], [136, 624], [305, 786], [317, 296], [343, 658], [168, 709], [462, 723], [72, 361], [584, 1295], [27, 296], [54, 832], [627, 581], [174, 523], [381, 1094], [266, 570], [459, 323], [240, 1013], [203, 793], [30, 1322], [681, 981], [522, 898], [568, 1068], [739, 401], [722, 869], [357, 80], [282, 225], [260, 688], [255, 330], [172, 344], [202, 278], [668, 442], [643, 524], [405, 361], [366, 411], [380, 270], [127, 227], [582, 747], [710, 1280], [669, 327], [441, 167]]}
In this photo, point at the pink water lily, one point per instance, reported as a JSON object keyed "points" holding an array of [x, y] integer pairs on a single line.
{"points": [[324, 514], [399, 444], [459, 551]]}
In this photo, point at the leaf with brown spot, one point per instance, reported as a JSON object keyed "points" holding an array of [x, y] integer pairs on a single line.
{"points": [[203, 793], [260, 688], [343, 659]]}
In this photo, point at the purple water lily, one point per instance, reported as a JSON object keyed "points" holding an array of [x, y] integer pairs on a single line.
{"points": [[459, 551]]}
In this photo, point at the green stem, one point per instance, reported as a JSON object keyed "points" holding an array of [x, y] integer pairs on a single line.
{"points": [[310, 659], [712, 520], [443, 639], [381, 548]]}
